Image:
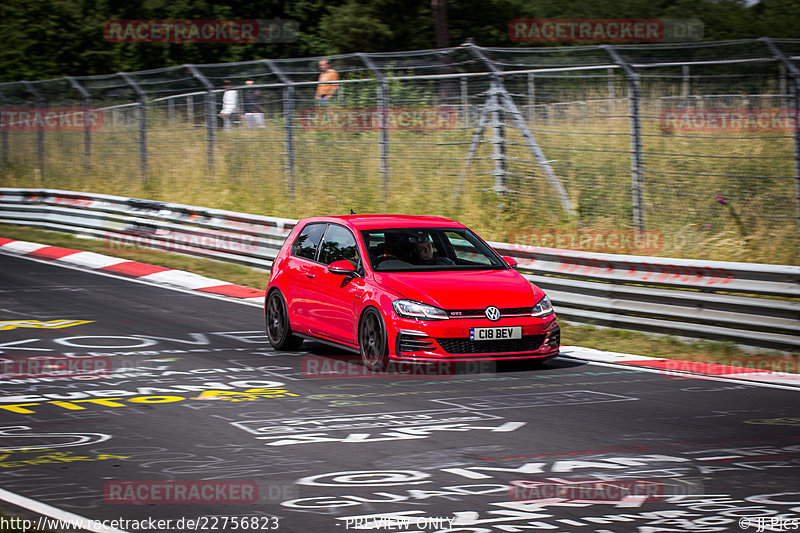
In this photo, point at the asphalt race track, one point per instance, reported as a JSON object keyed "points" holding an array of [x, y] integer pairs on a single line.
{"points": [[251, 439]]}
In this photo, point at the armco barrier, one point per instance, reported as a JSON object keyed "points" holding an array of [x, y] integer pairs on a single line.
{"points": [[123, 222], [750, 304]]}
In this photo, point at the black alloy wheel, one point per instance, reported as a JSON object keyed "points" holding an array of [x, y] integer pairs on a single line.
{"points": [[278, 329], [372, 341]]}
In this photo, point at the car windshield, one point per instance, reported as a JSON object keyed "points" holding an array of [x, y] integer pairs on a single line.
{"points": [[428, 249]]}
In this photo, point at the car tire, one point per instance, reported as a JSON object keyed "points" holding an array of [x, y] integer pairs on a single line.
{"points": [[372, 341], [279, 331]]}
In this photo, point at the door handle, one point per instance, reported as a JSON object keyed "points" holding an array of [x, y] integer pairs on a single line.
{"points": [[309, 275]]}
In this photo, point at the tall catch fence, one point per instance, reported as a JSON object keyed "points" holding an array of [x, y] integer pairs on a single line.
{"points": [[696, 141]]}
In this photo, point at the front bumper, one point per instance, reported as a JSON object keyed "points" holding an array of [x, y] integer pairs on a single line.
{"points": [[449, 340]]}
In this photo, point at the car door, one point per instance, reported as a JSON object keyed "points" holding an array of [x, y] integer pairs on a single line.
{"points": [[334, 296], [302, 267]]}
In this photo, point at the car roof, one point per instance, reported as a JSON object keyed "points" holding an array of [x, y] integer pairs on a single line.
{"points": [[381, 221]]}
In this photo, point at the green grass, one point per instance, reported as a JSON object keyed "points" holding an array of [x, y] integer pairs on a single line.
{"points": [[572, 335]]}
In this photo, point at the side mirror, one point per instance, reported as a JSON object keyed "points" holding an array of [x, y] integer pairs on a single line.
{"points": [[510, 261], [343, 267]]}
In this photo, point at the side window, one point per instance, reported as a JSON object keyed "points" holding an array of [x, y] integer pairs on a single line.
{"points": [[337, 244], [305, 245]]}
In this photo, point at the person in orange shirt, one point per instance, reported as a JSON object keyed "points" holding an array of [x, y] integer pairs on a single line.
{"points": [[326, 90]]}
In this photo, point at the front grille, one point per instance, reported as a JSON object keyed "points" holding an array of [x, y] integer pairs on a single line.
{"points": [[413, 343], [472, 313], [528, 343]]}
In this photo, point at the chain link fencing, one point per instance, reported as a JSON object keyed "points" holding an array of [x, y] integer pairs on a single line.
{"points": [[697, 142]]}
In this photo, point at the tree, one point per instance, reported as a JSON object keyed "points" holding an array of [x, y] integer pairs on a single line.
{"points": [[53, 38], [439, 8]]}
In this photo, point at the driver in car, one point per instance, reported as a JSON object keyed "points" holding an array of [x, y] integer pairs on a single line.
{"points": [[422, 251]]}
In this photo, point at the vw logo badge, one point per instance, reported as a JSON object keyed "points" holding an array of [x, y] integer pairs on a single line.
{"points": [[493, 313]]}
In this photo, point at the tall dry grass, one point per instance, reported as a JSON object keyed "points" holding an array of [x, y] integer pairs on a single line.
{"points": [[338, 171]]}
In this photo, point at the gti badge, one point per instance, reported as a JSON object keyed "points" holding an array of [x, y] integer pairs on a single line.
{"points": [[493, 313]]}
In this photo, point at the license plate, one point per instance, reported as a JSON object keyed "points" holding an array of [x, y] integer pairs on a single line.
{"points": [[495, 334]]}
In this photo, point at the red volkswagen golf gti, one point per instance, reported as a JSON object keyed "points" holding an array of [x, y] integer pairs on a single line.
{"points": [[404, 288]]}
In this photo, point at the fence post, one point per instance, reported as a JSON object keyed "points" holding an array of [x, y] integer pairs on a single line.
{"points": [[637, 163], [782, 79], [86, 103], [190, 109], [210, 114], [288, 119], [498, 142], [3, 132], [464, 101], [531, 98], [211, 128], [40, 129], [685, 85], [142, 122], [794, 73], [383, 143]]}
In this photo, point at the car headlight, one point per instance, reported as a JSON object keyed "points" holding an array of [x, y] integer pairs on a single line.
{"points": [[543, 308], [412, 309]]}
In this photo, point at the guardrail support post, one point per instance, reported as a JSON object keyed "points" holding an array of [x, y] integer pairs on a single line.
{"points": [[40, 129], [794, 73], [288, 119], [210, 115], [637, 163], [142, 122], [383, 142], [86, 103]]}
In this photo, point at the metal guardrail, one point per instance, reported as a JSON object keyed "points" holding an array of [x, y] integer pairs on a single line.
{"points": [[750, 304], [252, 240]]}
